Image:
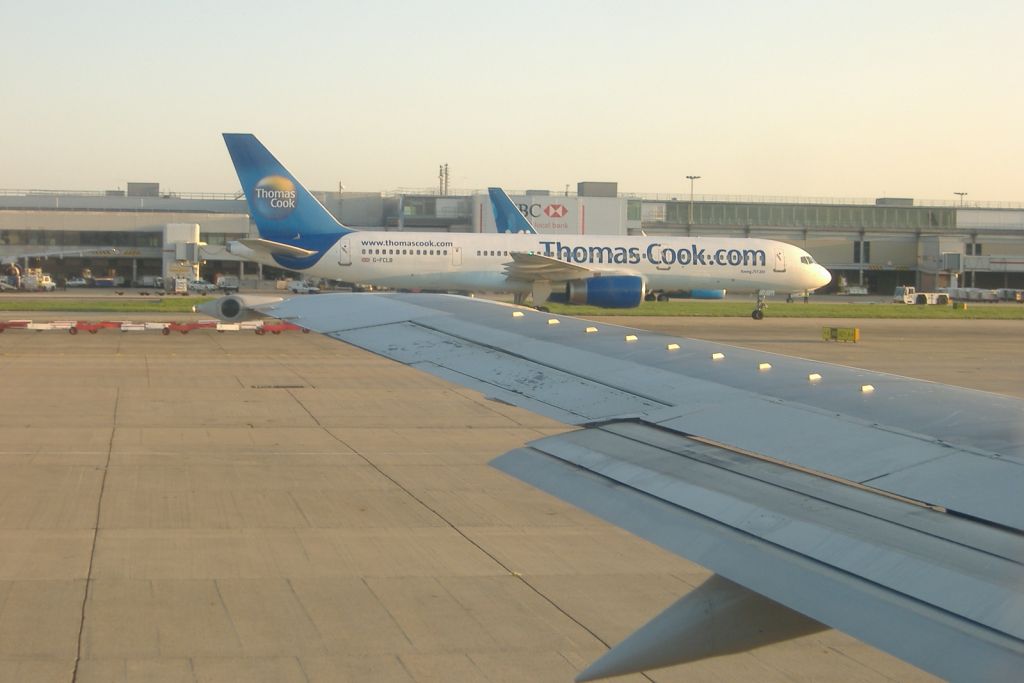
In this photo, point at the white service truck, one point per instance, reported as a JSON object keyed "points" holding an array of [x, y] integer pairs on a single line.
{"points": [[302, 287], [909, 295], [38, 281], [228, 283], [156, 281]]}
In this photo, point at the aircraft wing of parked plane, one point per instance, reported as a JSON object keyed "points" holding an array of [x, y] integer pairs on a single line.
{"points": [[59, 253], [886, 507], [529, 267]]}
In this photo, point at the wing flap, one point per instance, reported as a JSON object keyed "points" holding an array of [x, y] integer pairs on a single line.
{"points": [[869, 564]]}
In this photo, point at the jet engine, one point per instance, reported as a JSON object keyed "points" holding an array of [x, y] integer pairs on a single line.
{"points": [[237, 307], [608, 291]]}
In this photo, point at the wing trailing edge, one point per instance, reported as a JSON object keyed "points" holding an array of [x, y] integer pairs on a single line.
{"points": [[937, 590]]}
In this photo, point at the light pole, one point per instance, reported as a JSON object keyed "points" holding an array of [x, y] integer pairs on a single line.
{"points": [[962, 195], [691, 178]]}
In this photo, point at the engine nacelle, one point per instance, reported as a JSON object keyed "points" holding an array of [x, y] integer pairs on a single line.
{"points": [[237, 307], [608, 291]]}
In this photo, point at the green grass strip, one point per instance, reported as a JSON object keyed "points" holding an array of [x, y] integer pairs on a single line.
{"points": [[740, 309], [155, 304]]}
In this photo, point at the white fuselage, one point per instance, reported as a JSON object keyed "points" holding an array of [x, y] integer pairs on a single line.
{"points": [[477, 262]]}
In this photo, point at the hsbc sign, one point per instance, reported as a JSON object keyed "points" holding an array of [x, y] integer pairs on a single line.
{"points": [[555, 214], [536, 210], [547, 215]]}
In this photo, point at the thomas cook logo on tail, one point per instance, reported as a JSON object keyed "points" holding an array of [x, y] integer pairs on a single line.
{"points": [[274, 197]]}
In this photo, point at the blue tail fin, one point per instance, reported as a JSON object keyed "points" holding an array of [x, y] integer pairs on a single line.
{"points": [[506, 214], [283, 209]]}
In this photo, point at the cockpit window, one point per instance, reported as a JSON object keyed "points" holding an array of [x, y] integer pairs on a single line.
{"points": [[806, 259]]}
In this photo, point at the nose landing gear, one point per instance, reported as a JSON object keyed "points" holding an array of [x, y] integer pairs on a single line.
{"points": [[758, 313]]}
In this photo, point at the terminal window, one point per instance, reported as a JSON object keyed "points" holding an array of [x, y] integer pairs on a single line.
{"points": [[861, 251]]}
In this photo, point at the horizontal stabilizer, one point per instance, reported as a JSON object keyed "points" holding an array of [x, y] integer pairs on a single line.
{"points": [[276, 248], [718, 617]]}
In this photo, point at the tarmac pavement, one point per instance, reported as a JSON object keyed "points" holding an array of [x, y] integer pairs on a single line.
{"points": [[234, 507]]}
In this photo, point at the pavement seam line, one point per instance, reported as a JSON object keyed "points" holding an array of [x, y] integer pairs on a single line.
{"points": [[95, 536], [456, 529], [508, 570]]}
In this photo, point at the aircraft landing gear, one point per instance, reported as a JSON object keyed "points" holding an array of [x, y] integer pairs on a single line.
{"points": [[758, 313]]}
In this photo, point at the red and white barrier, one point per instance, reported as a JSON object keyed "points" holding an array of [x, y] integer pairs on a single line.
{"points": [[92, 327]]}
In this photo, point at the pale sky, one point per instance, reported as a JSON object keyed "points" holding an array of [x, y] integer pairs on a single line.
{"points": [[861, 98]]}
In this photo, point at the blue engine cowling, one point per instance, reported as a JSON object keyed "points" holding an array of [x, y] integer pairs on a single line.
{"points": [[609, 291]]}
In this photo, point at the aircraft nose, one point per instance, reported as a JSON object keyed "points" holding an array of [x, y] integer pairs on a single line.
{"points": [[822, 277]]}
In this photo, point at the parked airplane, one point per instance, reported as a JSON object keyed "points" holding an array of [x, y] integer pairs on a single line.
{"points": [[297, 233]]}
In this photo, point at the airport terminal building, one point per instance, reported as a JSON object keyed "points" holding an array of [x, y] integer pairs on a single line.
{"points": [[872, 243]]}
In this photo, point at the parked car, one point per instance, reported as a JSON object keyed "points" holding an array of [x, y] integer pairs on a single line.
{"points": [[202, 286], [302, 287], [77, 282]]}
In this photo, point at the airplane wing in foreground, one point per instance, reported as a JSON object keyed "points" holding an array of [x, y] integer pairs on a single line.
{"points": [[886, 507]]}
